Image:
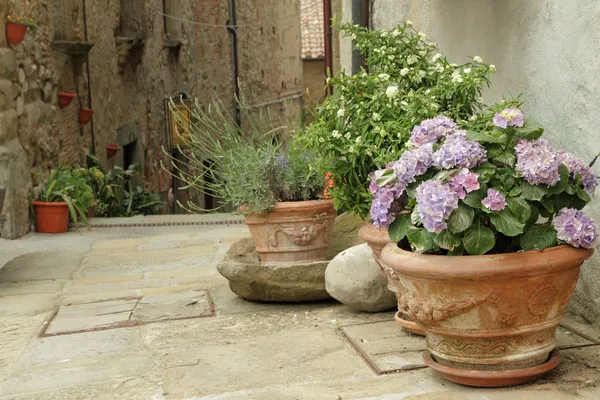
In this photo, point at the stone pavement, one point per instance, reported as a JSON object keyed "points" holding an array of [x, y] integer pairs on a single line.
{"points": [[144, 314]]}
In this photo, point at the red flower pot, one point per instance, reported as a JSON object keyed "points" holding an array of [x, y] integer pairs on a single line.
{"points": [[15, 33], [85, 115], [51, 217], [111, 150], [65, 98]]}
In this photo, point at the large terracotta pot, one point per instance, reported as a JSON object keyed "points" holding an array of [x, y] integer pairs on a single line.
{"points": [[293, 231], [377, 239], [51, 217], [15, 33], [490, 312]]}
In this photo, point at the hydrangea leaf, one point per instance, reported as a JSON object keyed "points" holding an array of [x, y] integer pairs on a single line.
{"points": [[386, 178], [506, 223], [484, 137], [461, 219], [447, 240], [549, 204], [533, 192], [531, 130], [420, 239], [507, 157], [519, 207], [415, 218], [478, 239], [445, 174], [474, 199], [397, 229], [538, 237], [563, 183], [583, 195], [457, 251]]}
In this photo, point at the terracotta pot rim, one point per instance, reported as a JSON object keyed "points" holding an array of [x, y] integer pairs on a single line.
{"points": [[113, 147], [483, 267], [50, 203], [67, 94], [282, 206]]}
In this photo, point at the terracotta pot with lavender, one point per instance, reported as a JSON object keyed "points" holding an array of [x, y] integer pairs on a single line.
{"points": [[489, 238]]}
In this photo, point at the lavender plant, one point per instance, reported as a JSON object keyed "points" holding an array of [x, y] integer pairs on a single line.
{"points": [[498, 187], [368, 119]]}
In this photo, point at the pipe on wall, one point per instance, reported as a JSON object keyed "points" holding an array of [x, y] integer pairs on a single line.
{"points": [[232, 28], [328, 46], [89, 81]]}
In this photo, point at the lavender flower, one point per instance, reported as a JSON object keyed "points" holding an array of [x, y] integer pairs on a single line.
{"points": [[435, 203], [494, 201], [509, 117], [431, 130], [575, 228], [459, 152], [537, 162], [413, 163], [384, 199], [577, 166], [282, 161], [464, 182]]}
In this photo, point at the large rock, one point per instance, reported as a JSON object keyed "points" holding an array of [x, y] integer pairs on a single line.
{"points": [[287, 282], [354, 278]]}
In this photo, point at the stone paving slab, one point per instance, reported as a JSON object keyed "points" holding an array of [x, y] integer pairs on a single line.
{"points": [[173, 305]]}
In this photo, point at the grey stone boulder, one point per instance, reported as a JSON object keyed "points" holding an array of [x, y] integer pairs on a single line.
{"points": [[285, 282], [354, 278]]}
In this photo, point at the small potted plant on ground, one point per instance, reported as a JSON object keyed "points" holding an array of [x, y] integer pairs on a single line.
{"points": [[490, 241], [278, 188], [16, 28], [64, 194]]}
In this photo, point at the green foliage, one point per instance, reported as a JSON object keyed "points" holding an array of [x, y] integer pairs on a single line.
{"points": [[368, 119], [247, 165]]}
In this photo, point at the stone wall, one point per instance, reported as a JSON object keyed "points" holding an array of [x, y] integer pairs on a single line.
{"points": [[546, 50], [139, 59]]}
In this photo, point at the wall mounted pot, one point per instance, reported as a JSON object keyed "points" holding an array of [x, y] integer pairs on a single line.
{"points": [[112, 150], [65, 98], [488, 313], [85, 115], [15, 33], [377, 239], [292, 231], [51, 217]]}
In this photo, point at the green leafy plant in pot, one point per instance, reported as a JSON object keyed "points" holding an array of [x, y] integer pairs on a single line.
{"points": [[65, 194], [490, 237], [278, 188]]}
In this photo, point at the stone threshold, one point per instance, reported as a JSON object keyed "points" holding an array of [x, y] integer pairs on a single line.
{"points": [[165, 220]]}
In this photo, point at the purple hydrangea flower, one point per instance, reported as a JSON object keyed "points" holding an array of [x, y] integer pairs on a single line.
{"points": [[509, 117], [431, 130], [575, 228], [464, 182], [435, 203], [577, 166], [413, 163], [537, 162], [384, 199], [459, 152], [494, 201]]}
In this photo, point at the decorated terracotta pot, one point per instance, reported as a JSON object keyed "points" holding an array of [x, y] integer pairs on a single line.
{"points": [[293, 231], [490, 312]]}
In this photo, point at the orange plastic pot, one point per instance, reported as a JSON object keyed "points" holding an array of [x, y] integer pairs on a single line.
{"points": [[15, 33], [85, 115], [65, 98], [51, 217]]}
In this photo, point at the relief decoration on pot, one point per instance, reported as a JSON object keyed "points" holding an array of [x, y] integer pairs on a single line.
{"points": [[298, 235]]}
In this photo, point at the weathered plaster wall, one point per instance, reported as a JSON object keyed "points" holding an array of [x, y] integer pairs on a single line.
{"points": [[547, 50], [133, 69], [313, 74]]}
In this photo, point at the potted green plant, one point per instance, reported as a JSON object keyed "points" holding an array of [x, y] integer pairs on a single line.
{"points": [[490, 237], [16, 28], [64, 194], [278, 188]]}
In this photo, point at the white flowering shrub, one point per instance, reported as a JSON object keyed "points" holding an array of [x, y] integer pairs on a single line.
{"points": [[368, 119]]}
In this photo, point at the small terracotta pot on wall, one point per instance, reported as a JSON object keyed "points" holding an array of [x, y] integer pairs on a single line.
{"points": [[65, 98], [112, 150], [51, 217], [377, 239], [85, 115], [293, 231], [489, 313], [15, 33]]}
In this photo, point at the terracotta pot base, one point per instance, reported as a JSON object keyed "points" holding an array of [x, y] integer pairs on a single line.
{"points": [[492, 378], [409, 326]]}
